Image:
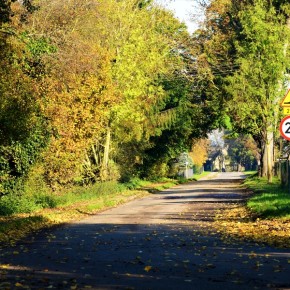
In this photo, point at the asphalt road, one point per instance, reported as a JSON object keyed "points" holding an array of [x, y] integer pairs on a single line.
{"points": [[163, 241]]}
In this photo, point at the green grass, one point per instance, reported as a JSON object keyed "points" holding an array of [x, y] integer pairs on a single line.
{"points": [[95, 191], [270, 200], [14, 203], [250, 173], [199, 176]]}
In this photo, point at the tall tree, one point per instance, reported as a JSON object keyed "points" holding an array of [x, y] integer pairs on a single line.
{"points": [[259, 82], [22, 126], [244, 47]]}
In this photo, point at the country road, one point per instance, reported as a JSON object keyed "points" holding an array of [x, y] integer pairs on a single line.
{"points": [[163, 241]]}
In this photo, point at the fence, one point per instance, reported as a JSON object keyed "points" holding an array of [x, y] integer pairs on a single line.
{"points": [[186, 173]]}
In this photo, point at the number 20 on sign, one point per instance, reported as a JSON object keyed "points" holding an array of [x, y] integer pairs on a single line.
{"points": [[285, 128]]}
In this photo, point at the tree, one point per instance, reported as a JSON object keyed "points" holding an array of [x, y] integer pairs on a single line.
{"points": [[243, 152], [23, 133], [244, 50], [199, 152], [259, 82]]}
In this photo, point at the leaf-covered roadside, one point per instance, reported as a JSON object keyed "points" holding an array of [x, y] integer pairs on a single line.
{"points": [[18, 226], [263, 218]]}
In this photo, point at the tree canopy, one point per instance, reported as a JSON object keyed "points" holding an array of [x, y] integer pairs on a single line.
{"points": [[92, 91]]}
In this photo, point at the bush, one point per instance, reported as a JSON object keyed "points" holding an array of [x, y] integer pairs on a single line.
{"points": [[197, 169], [133, 183], [158, 170], [181, 180], [11, 204]]}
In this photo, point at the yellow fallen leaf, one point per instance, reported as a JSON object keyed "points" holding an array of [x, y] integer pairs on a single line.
{"points": [[17, 284], [148, 268]]}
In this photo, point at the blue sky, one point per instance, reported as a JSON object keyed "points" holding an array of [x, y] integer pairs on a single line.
{"points": [[185, 10]]}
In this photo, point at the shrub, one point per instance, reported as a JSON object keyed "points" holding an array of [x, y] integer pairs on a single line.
{"points": [[133, 183], [158, 170]]}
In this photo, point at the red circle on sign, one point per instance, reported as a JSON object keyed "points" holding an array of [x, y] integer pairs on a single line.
{"points": [[285, 128]]}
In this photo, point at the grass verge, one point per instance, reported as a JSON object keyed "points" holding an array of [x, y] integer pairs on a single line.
{"points": [[271, 202], [264, 217], [199, 176]]}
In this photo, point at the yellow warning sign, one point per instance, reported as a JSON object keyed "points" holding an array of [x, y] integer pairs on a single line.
{"points": [[286, 100], [286, 111]]}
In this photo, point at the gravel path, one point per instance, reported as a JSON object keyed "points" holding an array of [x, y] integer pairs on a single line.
{"points": [[164, 241]]}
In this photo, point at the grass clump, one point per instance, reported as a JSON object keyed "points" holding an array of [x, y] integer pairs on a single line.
{"points": [[271, 200], [21, 203], [134, 183], [96, 191]]}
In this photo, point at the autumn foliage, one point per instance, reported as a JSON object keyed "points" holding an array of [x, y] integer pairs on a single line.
{"points": [[199, 151], [83, 91]]}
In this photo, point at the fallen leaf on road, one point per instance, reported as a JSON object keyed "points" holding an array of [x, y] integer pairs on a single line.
{"points": [[148, 268]]}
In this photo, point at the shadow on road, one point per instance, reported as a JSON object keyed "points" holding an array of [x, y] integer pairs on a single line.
{"points": [[130, 256]]}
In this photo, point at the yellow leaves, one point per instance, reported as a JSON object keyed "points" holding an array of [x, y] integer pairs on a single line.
{"points": [[4, 266], [148, 268], [237, 222], [199, 151]]}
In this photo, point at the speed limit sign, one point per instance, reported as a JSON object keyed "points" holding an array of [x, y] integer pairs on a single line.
{"points": [[285, 128]]}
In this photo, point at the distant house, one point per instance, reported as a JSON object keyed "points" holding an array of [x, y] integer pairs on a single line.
{"points": [[217, 160]]}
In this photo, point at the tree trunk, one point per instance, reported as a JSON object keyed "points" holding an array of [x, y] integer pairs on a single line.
{"points": [[264, 160], [267, 152], [95, 155], [105, 163], [270, 152]]}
